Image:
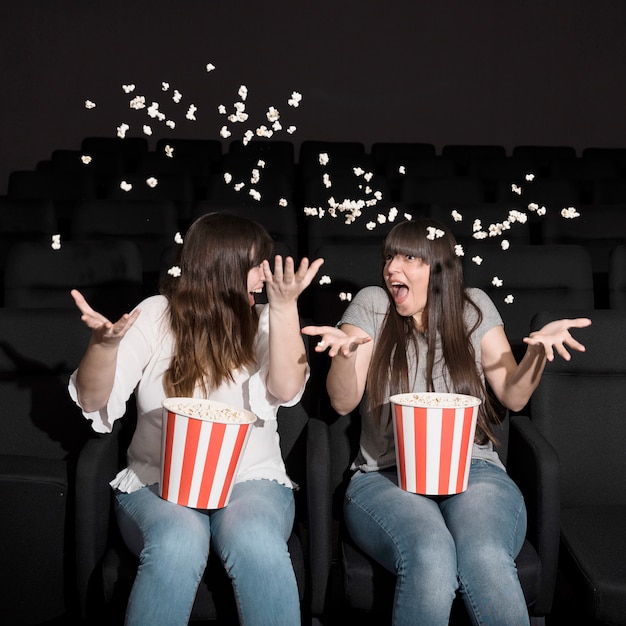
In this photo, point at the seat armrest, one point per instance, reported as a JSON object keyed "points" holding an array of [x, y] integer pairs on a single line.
{"points": [[98, 463], [534, 466], [319, 511]]}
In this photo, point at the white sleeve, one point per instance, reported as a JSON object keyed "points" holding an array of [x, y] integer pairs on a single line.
{"points": [[134, 353]]}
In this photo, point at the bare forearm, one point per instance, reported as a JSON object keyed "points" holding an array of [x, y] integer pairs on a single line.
{"points": [[343, 385], [95, 376], [287, 353], [523, 381]]}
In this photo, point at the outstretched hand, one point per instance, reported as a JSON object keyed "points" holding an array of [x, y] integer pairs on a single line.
{"points": [[555, 336], [286, 284], [103, 330], [335, 340]]}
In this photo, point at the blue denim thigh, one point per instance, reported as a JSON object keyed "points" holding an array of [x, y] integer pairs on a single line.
{"points": [[488, 524], [172, 543], [405, 533], [250, 536]]}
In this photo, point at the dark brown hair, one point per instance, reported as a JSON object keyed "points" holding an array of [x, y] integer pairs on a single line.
{"points": [[210, 316], [442, 321]]}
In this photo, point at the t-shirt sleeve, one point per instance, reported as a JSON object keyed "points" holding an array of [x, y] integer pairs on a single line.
{"points": [[367, 310], [490, 315]]}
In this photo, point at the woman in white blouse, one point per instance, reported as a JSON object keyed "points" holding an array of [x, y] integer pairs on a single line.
{"points": [[205, 337]]}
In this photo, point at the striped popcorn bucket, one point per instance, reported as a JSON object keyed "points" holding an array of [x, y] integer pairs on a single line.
{"points": [[434, 434], [202, 444]]}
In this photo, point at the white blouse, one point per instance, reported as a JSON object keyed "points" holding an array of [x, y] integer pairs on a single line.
{"points": [[144, 355]]}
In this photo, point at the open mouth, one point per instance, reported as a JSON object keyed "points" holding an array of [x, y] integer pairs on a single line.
{"points": [[252, 293], [399, 291]]}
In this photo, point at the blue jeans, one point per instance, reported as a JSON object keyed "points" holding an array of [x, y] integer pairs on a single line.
{"points": [[172, 543], [438, 545]]}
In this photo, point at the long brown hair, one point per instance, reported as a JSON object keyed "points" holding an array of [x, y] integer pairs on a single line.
{"points": [[442, 323], [209, 310]]}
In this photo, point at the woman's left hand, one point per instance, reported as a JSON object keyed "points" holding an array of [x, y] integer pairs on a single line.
{"points": [[286, 283], [555, 336]]}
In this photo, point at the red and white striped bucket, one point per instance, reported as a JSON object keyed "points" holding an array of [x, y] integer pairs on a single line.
{"points": [[434, 435], [202, 444]]}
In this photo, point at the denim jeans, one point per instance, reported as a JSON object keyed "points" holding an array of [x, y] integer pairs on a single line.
{"points": [[172, 542], [438, 545]]}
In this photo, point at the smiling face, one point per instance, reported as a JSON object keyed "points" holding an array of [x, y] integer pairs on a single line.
{"points": [[256, 280], [406, 278]]}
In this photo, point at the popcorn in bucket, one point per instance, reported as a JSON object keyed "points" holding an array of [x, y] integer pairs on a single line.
{"points": [[434, 434], [202, 444]]}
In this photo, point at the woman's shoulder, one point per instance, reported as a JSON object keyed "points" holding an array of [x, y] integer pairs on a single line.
{"points": [[373, 294]]}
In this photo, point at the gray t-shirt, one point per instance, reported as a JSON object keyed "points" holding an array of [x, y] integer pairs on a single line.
{"points": [[367, 311]]}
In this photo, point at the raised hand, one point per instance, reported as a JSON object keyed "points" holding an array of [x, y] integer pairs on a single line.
{"points": [[286, 284], [335, 340], [103, 330], [555, 336]]}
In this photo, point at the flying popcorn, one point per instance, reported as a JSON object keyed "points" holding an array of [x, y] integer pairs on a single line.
{"points": [[228, 177], [238, 186], [147, 130], [291, 130], [541, 210], [128, 88], [283, 202], [243, 92], [570, 213], [496, 282], [325, 280], [434, 233], [326, 180], [178, 238], [56, 242], [504, 244], [255, 194], [370, 225], [345, 296], [295, 99], [264, 131], [177, 97], [509, 299], [191, 112], [402, 169], [323, 158], [456, 216], [138, 103], [152, 182], [260, 163], [533, 206], [477, 259], [174, 271], [165, 86], [169, 151], [408, 216], [86, 159], [122, 130], [210, 67], [89, 104], [224, 132], [272, 114], [516, 189], [256, 176], [125, 186], [530, 177], [458, 250]]}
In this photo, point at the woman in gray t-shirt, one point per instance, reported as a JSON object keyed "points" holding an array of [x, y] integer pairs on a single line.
{"points": [[426, 332]]}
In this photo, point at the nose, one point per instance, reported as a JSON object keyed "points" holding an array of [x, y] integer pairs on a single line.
{"points": [[393, 264]]}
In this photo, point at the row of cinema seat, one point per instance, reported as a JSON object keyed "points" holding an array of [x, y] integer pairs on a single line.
{"points": [[413, 175], [27, 228], [63, 559]]}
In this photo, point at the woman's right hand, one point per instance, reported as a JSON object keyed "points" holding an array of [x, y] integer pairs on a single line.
{"points": [[335, 340], [103, 330]]}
